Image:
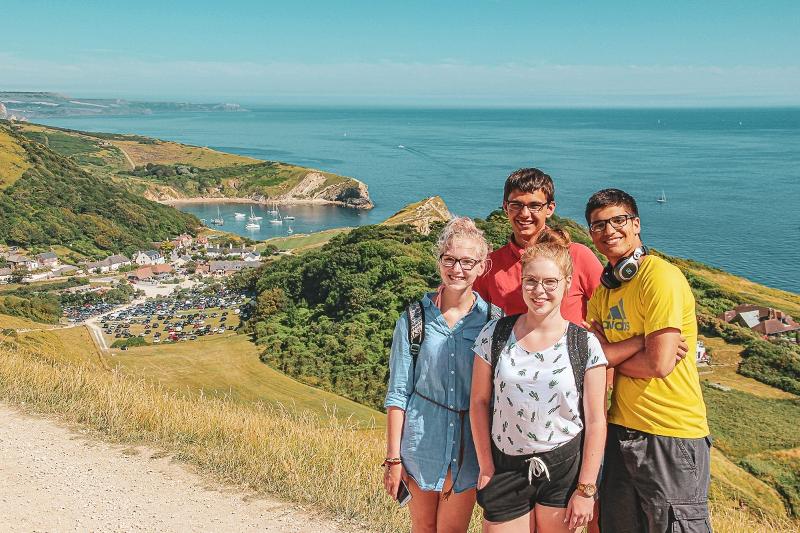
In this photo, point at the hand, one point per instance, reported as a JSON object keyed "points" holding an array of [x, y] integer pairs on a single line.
{"points": [[391, 478], [683, 349], [484, 477], [596, 328], [580, 511]]}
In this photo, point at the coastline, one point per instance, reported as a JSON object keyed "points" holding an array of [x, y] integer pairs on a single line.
{"points": [[246, 201]]}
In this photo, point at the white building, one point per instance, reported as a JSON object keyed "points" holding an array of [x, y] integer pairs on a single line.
{"points": [[148, 257]]}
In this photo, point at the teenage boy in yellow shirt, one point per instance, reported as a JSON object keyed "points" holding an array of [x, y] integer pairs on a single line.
{"points": [[656, 468]]}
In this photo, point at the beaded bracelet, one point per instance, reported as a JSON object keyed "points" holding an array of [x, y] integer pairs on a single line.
{"points": [[390, 461]]}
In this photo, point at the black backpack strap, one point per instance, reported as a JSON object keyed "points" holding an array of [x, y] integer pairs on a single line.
{"points": [[416, 328], [500, 335], [578, 350], [493, 312]]}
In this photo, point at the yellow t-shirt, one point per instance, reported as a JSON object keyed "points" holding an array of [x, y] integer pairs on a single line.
{"points": [[657, 297]]}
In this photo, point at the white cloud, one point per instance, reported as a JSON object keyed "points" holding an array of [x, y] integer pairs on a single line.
{"points": [[392, 82]]}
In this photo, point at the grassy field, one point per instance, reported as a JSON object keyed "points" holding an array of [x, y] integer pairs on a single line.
{"points": [[167, 153], [228, 366], [13, 162], [726, 358], [302, 242], [269, 449]]}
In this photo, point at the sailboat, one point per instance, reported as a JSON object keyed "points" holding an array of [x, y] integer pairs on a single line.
{"points": [[273, 208], [239, 216], [277, 218], [253, 217], [252, 225], [663, 198], [219, 221]]}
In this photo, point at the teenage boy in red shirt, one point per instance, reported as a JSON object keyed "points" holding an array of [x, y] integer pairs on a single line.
{"points": [[528, 201]]}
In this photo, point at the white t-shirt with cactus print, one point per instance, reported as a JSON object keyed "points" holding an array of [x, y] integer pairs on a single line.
{"points": [[535, 399]]}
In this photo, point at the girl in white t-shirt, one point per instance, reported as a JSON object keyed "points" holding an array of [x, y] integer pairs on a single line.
{"points": [[539, 459]]}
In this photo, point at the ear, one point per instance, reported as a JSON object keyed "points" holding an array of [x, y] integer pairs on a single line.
{"points": [[551, 208], [486, 266], [637, 225], [567, 284]]}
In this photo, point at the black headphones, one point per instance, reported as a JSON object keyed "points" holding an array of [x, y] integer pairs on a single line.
{"points": [[614, 276]]}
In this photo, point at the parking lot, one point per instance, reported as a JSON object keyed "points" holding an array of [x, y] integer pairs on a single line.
{"points": [[176, 318], [83, 313]]}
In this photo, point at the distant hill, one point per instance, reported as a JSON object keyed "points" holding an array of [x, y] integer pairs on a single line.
{"points": [[32, 105], [47, 199], [169, 172]]}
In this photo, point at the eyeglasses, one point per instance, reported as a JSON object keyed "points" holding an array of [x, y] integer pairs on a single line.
{"points": [[534, 207], [616, 222], [467, 264], [548, 284]]}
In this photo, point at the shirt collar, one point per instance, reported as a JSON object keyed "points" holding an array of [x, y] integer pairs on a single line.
{"points": [[514, 248]]}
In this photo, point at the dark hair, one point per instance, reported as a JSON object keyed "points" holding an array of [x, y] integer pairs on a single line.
{"points": [[610, 197], [529, 180]]}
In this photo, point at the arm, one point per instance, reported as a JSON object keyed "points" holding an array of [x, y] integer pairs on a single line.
{"points": [[395, 417], [479, 400], [658, 358], [580, 508], [401, 376]]}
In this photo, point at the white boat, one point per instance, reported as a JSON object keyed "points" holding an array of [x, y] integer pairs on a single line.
{"points": [[219, 221], [252, 225], [290, 230], [277, 218], [273, 209], [253, 217], [239, 216], [663, 198], [288, 218]]}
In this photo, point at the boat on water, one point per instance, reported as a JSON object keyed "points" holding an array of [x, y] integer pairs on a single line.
{"points": [[663, 198], [273, 208], [253, 217], [277, 218], [239, 216], [288, 218], [252, 225], [219, 221]]}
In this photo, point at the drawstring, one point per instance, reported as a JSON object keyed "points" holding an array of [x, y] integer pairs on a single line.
{"points": [[536, 468]]}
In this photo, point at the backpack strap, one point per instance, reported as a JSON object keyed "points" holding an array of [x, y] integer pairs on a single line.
{"points": [[416, 328], [500, 335], [578, 350], [493, 312]]}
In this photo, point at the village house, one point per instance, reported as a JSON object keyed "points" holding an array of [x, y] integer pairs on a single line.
{"points": [[150, 273], [183, 240], [22, 261], [47, 260], [148, 257], [201, 241], [66, 270], [223, 268], [764, 320], [5, 275], [111, 263]]}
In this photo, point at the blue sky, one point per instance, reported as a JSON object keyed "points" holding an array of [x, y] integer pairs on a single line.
{"points": [[439, 53]]}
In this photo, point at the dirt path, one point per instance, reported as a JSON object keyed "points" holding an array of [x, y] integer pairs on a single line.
{"points": [[54, 479]]}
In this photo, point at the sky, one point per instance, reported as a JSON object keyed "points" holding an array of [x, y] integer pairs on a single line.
{"points": [[481, 53]]}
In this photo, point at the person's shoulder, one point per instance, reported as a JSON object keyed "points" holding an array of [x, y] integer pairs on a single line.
{"points": [[656, 266]]}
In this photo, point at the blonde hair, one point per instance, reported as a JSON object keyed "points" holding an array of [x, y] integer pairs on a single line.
{"points": [[551, 244], [462, 228]]}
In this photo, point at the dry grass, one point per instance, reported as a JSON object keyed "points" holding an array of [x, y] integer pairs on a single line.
{"points": [[168, 153], [328, 464], [13, 160], [304, 242]]}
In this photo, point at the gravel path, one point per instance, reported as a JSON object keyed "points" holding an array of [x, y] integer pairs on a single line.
{"points": [[54, 479]]}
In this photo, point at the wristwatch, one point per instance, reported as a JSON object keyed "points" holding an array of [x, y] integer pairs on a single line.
{"points": [[587, 490]]}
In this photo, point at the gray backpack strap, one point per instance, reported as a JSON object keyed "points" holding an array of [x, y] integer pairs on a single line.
{"points": [[578, 349], [500, 335], [416, 328]]}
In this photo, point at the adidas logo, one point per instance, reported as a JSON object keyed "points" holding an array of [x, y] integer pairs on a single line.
{"points": [[616, 319]]}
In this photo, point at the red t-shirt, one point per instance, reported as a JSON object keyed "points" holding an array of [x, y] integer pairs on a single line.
{"points": [[502, 285]]}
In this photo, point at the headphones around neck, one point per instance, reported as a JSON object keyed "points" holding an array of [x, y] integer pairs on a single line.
{"points": [[614, 276]]}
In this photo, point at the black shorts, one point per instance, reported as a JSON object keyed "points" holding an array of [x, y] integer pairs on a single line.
{"points": [[509, 495]]}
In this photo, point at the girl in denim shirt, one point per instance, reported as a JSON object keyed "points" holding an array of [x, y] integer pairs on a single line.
{"points": [[429, 440]]}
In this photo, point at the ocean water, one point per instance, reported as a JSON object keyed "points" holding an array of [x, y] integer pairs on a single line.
{"points": [[731, 176]]}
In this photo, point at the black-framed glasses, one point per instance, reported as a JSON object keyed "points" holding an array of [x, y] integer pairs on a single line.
{"points": [[616, 222], [534, 207], [467, 263], [548, 284]]}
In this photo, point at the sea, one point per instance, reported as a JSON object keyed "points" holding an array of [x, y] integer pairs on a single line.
{"points": [[731, 177]]}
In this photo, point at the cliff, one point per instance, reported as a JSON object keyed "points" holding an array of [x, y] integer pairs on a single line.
{"points": [[421, 214]]}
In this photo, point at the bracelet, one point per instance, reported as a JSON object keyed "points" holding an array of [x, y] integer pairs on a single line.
{"points": [[390, 461]]}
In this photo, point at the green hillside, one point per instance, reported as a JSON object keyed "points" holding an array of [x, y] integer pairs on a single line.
{"points": [[55, 202]]}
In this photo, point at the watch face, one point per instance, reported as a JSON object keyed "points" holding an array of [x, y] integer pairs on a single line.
{"points": [[587, 489]]}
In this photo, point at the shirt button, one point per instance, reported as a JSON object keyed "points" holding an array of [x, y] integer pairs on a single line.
{"points": [[451, 424], [454, 460], [451, 389], [452, 371], [451, 407], [452, 355]]}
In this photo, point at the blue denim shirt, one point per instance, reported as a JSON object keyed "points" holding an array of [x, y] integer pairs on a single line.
{"points": [[432, 437]]}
